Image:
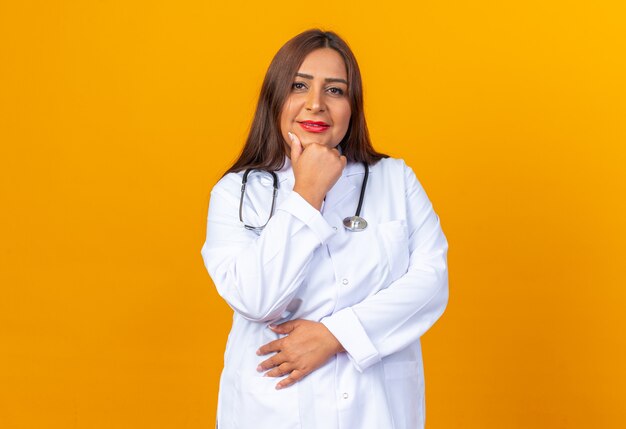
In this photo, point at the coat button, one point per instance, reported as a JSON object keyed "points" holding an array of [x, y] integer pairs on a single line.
{"points": [[344, 281], [345, 395]]}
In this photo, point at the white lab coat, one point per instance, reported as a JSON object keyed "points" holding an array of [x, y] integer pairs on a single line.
{"points": [[377, 291]]}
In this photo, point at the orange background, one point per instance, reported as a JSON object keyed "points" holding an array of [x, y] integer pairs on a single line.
{"points": [[117, 117]]}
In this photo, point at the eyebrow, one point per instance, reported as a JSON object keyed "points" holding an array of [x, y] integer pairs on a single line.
{"points": [[328, 79]]}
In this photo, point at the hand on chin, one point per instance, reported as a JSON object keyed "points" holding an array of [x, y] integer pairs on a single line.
{"points": [[312, 140]]}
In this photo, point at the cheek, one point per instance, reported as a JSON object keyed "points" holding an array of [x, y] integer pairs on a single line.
{"points": [[345, 117], [286, 119], [289, 110]]}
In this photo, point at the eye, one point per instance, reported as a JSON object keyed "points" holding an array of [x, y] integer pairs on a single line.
{"points": [[298, 86], [336, 91]]}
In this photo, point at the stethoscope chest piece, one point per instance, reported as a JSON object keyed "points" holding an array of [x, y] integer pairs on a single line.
{"points": [[355, 223]]}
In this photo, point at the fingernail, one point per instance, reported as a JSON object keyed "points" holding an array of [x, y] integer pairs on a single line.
{"points": [[259, 368], [258, 352], [278, 387], [272, 326], [290, 136]]}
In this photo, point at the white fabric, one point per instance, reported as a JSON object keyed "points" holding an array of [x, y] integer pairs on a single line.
{"points": [[377, 291]]}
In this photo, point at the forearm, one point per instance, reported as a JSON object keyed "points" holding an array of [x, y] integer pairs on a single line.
{"points": [[393, 318], [258, 276]]}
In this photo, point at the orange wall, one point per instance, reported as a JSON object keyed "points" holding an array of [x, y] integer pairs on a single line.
{"points": [[117, 117]]}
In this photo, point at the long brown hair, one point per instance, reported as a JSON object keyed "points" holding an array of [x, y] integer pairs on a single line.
{"points": [[265, 146]]}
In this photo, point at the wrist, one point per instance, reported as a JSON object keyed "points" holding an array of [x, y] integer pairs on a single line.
{"points": [[310, 197], [336, 346]]}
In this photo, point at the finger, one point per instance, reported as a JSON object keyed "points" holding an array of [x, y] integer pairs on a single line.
{"points": [[284, 328], [272, 346], [295, 376], [296, 147], [270, 363], [280, 370]]}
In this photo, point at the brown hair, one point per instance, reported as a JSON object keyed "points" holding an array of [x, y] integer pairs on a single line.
{"points": [[265, 146]]}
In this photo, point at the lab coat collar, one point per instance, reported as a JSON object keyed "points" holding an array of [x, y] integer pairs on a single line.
{"points": [[342, 189], [286, 172], [346, 185]]}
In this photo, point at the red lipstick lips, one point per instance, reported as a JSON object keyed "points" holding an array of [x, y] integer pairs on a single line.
{"points": [[314, 126]]}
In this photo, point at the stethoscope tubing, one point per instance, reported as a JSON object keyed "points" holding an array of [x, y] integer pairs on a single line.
{"points": [[354, 223], [363, 186], [244, 182]]}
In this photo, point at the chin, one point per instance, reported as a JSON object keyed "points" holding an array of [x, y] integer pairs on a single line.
{"points": [[311, 141]]}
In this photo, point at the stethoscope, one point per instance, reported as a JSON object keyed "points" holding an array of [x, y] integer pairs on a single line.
{"points": [[352, 223]]}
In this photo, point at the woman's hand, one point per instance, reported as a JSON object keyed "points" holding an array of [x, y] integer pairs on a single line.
{"points": [[316, 169], [307, 346]]}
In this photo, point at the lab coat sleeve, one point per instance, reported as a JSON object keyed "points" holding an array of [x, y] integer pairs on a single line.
{"points": [[258, 275], [398, 315]]}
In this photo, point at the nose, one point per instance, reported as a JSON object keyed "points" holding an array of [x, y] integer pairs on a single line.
{"points": [[314, 101]]}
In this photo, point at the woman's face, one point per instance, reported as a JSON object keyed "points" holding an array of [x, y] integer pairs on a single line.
{"points": [[318, 110]]}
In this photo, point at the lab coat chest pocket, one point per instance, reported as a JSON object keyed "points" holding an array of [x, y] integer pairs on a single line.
{"points": [[395, 242]]}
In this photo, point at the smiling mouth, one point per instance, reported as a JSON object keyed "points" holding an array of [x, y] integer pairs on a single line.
{"points": [[313, 126]]}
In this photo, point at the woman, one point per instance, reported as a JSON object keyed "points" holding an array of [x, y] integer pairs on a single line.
{"points": [[327, 314]]}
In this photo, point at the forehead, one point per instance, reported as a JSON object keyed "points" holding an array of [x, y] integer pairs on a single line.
{"points": [[324, 63]]}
